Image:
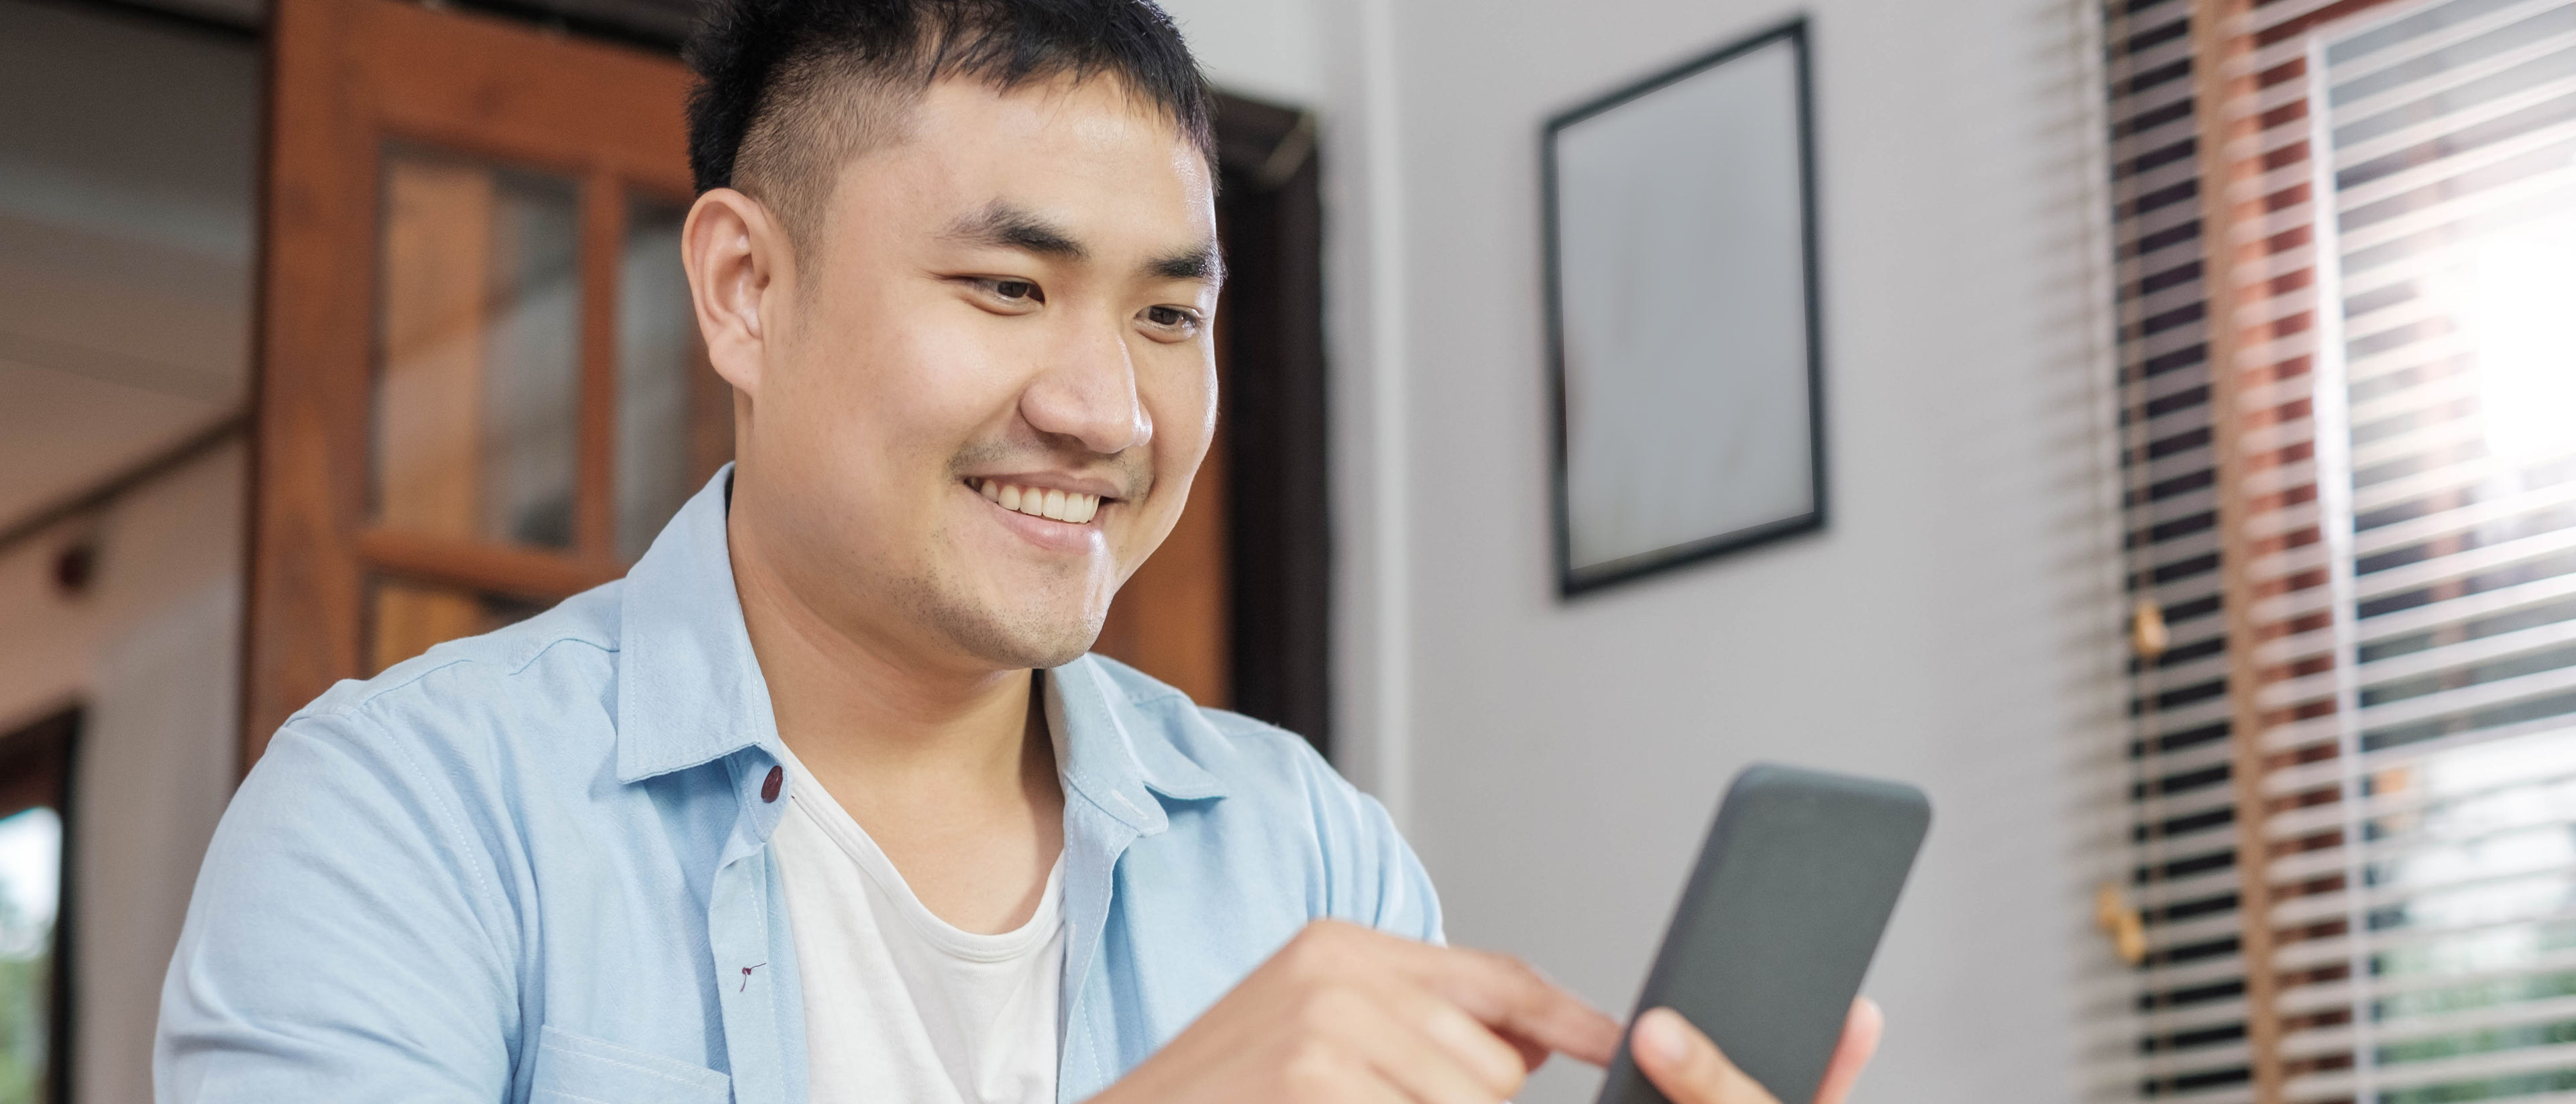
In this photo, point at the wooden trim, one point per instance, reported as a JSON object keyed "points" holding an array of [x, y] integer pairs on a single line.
{"points": [[310, 438], [1278, 542], [476, 565], [34, 760], [2221, 77], [485, 85], [603, 236]]}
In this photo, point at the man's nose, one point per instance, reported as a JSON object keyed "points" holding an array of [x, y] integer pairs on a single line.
{"points": [[1088, 392]]}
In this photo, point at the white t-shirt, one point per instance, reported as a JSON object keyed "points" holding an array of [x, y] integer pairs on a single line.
{"points": [[901, 1006]]}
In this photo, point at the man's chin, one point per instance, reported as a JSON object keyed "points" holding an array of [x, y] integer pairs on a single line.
{"points": [[1019, 639], [1051, 654], [1006, 622]]}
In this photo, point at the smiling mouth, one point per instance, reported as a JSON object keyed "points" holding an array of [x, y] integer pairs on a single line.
{"points": [[1072, 507]]}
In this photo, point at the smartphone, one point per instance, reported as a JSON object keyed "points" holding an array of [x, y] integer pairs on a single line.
{"points": [[1783, 911]]}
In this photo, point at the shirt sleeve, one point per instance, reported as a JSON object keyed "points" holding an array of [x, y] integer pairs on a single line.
{"points": [[342, 942], [1371, 876], [1406, 903]]}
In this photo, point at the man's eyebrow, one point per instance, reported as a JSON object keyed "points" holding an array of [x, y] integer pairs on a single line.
{"points": [[1006, 225], [1204, 261]]}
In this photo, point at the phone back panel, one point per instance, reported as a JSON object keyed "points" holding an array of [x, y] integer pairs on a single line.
{"points": [[1783, 911]]}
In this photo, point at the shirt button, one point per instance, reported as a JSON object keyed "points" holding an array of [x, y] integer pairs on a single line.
{"points": [[769, 786]]}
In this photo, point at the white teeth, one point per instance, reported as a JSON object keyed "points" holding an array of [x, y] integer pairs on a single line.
{"points": [[1065, 506]]}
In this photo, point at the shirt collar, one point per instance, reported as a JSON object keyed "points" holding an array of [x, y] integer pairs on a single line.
{"points": [[1115, 752], [689, 690]]}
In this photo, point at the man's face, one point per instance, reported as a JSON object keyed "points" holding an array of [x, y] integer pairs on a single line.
{"points": [[983, 398]]}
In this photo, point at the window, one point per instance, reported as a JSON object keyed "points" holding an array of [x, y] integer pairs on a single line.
{"points": [[2347, 274], [35, 993]]}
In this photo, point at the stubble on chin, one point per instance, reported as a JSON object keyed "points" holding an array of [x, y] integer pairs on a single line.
{"points": [[1009, 635]]}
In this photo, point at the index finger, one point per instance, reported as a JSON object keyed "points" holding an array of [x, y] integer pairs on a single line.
{"points": [[1516, 1001]]}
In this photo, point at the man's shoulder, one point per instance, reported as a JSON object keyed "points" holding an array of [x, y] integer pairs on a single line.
{"points": [[559, 659], [1245, 755]]}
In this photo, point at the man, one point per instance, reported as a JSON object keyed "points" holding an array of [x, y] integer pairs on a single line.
{"points": [[825, 801]]}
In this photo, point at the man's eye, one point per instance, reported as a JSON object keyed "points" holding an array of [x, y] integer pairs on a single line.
{"points": [[1014, 290], [1170, 317]]}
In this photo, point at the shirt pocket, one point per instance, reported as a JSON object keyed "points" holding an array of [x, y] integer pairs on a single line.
{"points": [[577, 1069]]}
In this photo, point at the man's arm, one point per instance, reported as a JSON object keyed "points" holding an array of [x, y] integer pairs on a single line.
{"points": [[344, 942]]}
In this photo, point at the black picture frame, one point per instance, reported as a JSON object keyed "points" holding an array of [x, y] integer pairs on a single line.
{"points": [[1574, 579]]}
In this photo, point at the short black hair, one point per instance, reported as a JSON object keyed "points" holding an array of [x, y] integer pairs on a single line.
{"points": [[789, 89]]}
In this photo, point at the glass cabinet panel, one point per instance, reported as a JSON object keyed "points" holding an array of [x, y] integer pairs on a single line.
{"points": [[478, 375], [483, 388]]}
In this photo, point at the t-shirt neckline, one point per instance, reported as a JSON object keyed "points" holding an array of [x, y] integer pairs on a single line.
{"points": [[806, 795]]}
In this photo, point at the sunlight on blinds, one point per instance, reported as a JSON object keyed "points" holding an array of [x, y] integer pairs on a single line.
{"points": [[2452, 131], [2519, 298]]}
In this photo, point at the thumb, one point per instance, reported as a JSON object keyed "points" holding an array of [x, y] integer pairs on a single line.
{"points": [[1860, 1040], [1686, 1065]]}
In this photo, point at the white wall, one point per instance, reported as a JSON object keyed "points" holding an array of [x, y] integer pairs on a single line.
{"points": [[1268, 49], [1555, 763]]}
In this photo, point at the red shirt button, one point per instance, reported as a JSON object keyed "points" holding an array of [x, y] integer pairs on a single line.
{"points": [[769, 786]]}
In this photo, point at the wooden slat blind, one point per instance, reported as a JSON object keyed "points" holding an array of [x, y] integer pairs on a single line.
{"points": [[2181, 1029]]}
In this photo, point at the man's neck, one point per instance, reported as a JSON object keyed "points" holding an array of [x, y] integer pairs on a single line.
{"points": [[947, 766], [870, 702]]}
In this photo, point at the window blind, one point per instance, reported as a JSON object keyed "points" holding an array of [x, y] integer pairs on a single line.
{"points": [[2446, 139], [2347, 278], [2178, 1026]]}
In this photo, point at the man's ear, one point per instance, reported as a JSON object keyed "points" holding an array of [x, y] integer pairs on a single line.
{"points": [[740, 267]]}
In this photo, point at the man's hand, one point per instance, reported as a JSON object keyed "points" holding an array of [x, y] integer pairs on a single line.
{"points": [[1687, 1066], [1344, 1013]]}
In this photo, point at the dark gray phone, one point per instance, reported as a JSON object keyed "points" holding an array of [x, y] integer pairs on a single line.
{"points": [[1778, 924]]}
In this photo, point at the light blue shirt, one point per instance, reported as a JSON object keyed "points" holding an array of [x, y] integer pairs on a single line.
{"points": [[534, 866]]}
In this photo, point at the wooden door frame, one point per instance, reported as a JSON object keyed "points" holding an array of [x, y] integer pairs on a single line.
{"points": [[344, 77], [1279, 536]]}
